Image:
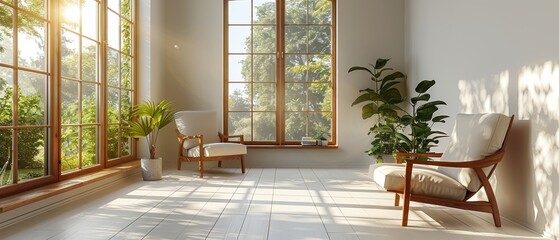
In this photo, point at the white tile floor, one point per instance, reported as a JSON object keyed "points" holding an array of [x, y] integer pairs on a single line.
{"points": [[261, 204]]}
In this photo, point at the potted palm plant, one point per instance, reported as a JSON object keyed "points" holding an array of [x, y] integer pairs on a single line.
{"points": [[146, 120]]}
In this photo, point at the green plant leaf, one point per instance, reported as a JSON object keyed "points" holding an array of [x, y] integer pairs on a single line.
{"points": [[369, 96], [424, 85], [440, 118], [430, 104], [381, 62], [385, 87], [392, 96], [369, 110], [357, 68], [425, 114], [384, 69], [393, 76], [424, 97]]}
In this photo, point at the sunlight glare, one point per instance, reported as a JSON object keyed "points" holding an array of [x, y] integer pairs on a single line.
{"points": [[72, 14]]}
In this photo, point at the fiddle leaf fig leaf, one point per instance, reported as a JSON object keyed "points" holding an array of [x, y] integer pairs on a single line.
{"points": [[381, 63], [369, 110], [370, 96], [424, 85], [357, 68], [424, 97]]}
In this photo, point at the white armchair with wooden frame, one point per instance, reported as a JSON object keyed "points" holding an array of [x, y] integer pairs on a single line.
{"points": [[200, 141], [477, 145]]}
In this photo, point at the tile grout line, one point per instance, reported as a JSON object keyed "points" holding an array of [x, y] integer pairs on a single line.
{"points": [[314, 203], [272, 204], [250, 203]]}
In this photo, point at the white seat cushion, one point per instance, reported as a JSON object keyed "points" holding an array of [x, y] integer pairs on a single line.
{"points": [[218, 149], [474, 137], [425, 181]]}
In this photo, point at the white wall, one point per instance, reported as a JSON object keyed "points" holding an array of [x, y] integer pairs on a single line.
{"points": [[192, 73], [498, 56]]}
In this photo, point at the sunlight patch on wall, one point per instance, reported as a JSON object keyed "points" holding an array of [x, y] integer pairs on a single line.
{"points": [[481, 96], [538, 98]]}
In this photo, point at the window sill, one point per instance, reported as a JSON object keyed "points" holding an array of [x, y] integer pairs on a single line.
{"points": [[38, 194], [290, 147]]}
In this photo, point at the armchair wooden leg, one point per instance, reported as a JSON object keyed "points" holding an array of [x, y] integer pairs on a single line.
{"points": [[201, 168], [407, 193], [218, 163], [396, 199], [243, 163]]}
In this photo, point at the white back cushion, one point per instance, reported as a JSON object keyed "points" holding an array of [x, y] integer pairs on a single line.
{"points": [[474, 137], [197, 122]]}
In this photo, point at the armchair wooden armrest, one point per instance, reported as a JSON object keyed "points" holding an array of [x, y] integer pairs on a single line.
{"points": [[225, 138], [480, 163]]}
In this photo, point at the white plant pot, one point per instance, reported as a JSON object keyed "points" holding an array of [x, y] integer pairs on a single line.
{"points": [[324, 143], [152, 169]]}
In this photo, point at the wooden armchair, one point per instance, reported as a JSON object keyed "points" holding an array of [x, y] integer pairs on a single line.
{"points": [[477, 145], [200, 141]]}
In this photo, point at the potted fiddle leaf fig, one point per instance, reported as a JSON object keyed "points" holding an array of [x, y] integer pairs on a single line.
{"points": [[420, 120], [397, 129], [146, 120], [379, 100]]}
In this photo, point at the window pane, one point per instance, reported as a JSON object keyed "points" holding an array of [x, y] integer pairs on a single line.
{"points": [[239, 68], [239, 39], [89, 146], [320, 97], [320, 68], [296, 12], [239, 97], [320, 12], [320, 124], [239, 11], [6, 38], [6, 96], [264, 68], [90, 103], [125, 105], [126, 8], [264, 126], [295, 68], [113, 30], [295, 126], [295, 39], [6, 139], [70, 16], [320, 39], [32, 99], [69, 148], [264, 98], [70, 54], [89, 60], [31, 153], [113, 68], [90, 18], [34, 6], [70, 100], [264, 39], [240, 124], [114, 5], [126, 72], [32, 43], [113, 105], [264, 11], [126, 145], [126, 36], [112, 140], [296, 96]]}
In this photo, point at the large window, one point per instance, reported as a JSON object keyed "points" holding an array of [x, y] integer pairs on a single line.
{"points": [[279, 61], [25, 91], [63, 114]]}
